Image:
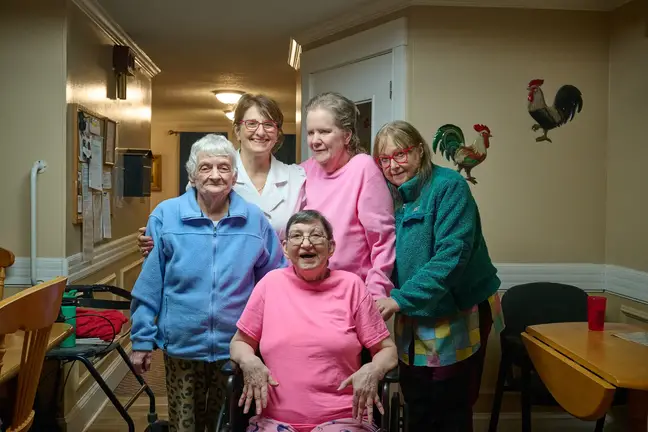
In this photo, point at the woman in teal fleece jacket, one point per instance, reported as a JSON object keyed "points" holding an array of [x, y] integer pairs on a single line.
{"points": [[445, 295]]}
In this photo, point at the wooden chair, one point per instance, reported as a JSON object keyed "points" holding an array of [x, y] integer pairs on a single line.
{"points": [[33, 311], [7, 259]]}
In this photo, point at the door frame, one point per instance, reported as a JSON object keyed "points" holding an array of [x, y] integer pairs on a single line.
{"points": [[391, 37]]}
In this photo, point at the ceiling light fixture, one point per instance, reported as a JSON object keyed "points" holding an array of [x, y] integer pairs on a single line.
{"points": [[229, 115], [228, 97], [294, 54]]}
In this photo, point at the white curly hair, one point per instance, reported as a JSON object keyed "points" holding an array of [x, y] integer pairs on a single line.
{"points": [[209, 145]]}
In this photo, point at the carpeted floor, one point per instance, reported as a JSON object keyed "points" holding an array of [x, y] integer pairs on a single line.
{"points": [[155, 378]]}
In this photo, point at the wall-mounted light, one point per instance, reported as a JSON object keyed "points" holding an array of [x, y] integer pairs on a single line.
{"points": [[229, 114], [228, 97], [294, 54]]}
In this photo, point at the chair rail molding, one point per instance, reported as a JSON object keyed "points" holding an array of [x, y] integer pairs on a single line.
{"points": [[621, 281], [73, 267]]}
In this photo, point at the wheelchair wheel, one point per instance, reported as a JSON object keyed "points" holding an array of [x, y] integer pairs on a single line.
{"points": [[158, 426]]}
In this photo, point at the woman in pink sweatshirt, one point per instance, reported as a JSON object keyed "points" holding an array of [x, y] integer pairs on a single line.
{"points": [[347, 187]]}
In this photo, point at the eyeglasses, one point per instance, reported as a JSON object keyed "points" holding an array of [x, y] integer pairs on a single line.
{"points": [[315, 239], [252, 125], [400, 157]]}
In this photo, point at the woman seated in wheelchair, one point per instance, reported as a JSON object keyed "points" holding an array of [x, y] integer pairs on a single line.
{"points": [[310, 324]]}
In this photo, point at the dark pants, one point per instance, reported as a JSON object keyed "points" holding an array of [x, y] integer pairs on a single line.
{"points": [[441, 399]]}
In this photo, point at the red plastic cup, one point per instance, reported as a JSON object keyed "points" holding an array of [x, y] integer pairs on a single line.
{"points": [[596, 312]]}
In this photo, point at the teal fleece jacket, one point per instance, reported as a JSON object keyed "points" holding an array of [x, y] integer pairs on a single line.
{"points": [[442, 262]]}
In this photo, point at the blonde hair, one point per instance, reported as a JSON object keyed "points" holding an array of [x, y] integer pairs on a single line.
{"points": [[268, 107], [404, 135], [345, 115]]}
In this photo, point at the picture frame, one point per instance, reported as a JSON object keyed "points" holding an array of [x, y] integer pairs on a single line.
{"points": [[110, 142], [156, 173]]}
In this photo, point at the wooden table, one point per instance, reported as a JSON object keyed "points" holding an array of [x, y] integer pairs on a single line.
{"points": [[14, 342], [618, 362]]}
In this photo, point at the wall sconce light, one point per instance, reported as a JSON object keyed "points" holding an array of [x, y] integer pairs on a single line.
{"points": [[124, 66], [228, 97], [229, 114]]}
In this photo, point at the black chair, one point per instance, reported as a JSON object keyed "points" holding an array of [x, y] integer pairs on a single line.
{"points": [[232, 419], [522, 306]]}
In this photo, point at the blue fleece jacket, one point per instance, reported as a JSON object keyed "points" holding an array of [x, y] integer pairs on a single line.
{"points": [[196, 281]]}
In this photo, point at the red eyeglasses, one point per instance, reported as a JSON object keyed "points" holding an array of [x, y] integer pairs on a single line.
{"points": [[400, 157]]}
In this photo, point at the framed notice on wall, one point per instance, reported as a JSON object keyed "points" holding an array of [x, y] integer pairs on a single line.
{"points": [[111, 142]]}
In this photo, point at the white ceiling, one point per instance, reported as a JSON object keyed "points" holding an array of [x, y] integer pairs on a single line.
{"points": [[203, 45]]}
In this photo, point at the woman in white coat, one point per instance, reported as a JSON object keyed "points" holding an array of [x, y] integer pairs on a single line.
{"points": [[275, 187]]}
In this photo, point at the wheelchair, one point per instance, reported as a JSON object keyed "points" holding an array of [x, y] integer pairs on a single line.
{"points": [[231, 417]]}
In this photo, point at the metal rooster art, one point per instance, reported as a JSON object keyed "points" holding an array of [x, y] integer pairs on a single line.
{"points": [[449, 139], [568, 102]]}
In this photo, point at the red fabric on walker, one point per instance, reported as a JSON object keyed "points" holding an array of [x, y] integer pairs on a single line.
{"points": [[89, 323]]}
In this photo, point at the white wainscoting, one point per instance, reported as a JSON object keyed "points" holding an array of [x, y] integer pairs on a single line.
{"points": [[73, 267], [622, 281]]}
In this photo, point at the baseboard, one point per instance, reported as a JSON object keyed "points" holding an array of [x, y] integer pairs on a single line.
{"points": [[73, 267], [90, 405]]}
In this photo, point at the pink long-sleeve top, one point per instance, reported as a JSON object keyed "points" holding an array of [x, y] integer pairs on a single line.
{"points": [[357, 202]]}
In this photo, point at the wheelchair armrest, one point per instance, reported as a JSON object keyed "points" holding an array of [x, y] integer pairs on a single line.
{"points": [[230, 368], [391, 376]]}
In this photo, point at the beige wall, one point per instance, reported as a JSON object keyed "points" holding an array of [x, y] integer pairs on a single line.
{"points": [[627, 150], [540, 202], [32, 121], [89, 78]]}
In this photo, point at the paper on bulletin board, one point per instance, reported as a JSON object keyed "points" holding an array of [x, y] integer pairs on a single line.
{"points": [[87, 228], [94, 126], [107, 180], [96, 217], [85, 149], [96, 164], [106, 222]]}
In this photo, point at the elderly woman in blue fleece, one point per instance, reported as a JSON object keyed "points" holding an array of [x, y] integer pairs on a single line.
{"points": [[445, 295], [211, 247]]}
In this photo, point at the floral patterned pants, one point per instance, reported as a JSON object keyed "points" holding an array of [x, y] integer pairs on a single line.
{"points": [[263, 424]]}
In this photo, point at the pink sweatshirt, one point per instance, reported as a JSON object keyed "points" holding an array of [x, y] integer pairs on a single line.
{"points": [[357, 202], [310, 335]]}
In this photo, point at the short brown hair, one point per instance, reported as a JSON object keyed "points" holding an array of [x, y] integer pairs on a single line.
{"points": [[344, 112], [269, 109]]}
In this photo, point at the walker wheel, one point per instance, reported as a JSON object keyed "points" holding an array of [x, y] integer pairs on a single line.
{"points": [[158, 426]]}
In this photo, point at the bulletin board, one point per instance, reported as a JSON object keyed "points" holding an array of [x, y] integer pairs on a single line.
{"points": [[94, 152]]}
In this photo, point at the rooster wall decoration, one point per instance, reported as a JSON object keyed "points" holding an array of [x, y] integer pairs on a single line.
{"points": [[568, 102], [450, 141]]}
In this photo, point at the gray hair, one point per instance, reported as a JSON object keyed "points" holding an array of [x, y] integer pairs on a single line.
{"points": [[310, 216], [209, 145], [345, 114]]}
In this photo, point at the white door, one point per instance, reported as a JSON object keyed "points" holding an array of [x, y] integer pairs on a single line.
{"points": [[368, 84]]}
